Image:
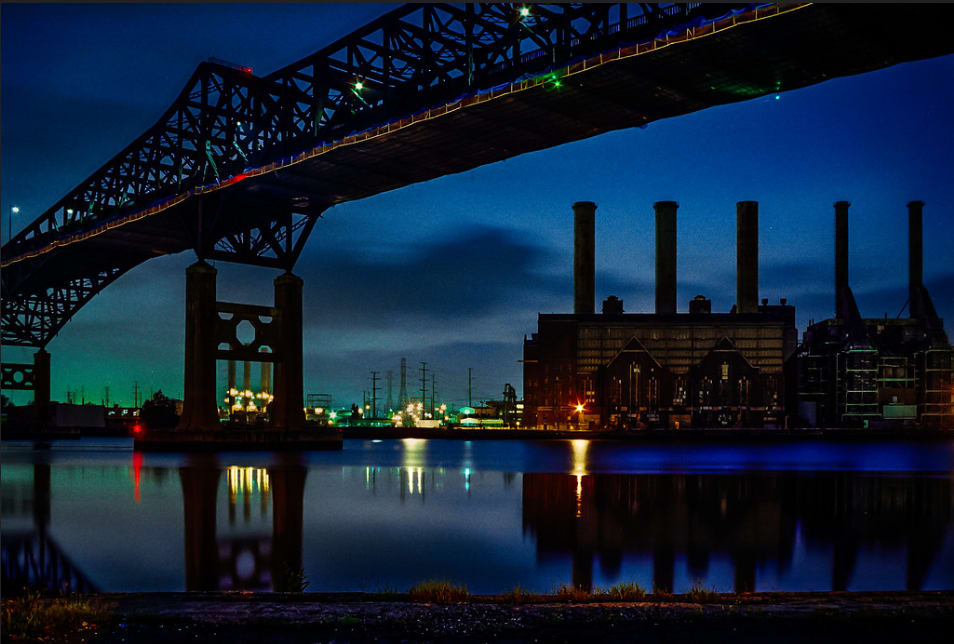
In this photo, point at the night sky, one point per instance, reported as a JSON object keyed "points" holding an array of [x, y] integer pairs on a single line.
{"points": [[454, 271]]}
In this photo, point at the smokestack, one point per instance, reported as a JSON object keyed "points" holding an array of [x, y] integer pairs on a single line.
{"points": [[841, 255], [584, 256], [915, 257], [747, 257], [665, 256]]}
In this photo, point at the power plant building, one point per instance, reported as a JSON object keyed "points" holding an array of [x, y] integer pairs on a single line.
{"points": [[668, 369], [871, 372]]}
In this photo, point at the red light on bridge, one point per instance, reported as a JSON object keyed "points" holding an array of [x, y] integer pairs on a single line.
{"points": [[137, 428]]}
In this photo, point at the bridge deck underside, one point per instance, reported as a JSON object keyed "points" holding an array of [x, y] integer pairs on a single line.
{"points": [[801, 48]]}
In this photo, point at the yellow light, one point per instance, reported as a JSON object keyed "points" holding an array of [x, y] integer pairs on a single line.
{"points": [[579, 408], [236, 407], [233, 391], [360, 411], [252, 407], [248, 393], [319, 410]]}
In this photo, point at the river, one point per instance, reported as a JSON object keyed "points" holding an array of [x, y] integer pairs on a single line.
{"points": [[489, 515]]}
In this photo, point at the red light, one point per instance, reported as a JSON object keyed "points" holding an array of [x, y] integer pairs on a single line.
{"points": [[137, 428]]}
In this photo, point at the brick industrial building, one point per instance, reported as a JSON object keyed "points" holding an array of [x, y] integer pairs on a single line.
{"points": [[741, 368], [627, 370]]}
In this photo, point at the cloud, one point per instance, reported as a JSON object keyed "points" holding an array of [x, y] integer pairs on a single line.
{"points": [[472, 273]]}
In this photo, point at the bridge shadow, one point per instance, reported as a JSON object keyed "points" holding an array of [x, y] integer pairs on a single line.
{"points": [[33, 559]]}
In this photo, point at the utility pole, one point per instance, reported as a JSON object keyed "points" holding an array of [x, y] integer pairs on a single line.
{"points": [[423, 386], [106, 394], [432, 394], [136, 394], [374, 394], [390, 378], [470, 402]]}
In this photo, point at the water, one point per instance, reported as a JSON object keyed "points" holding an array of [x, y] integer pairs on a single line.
{"points": [[487, 514]]}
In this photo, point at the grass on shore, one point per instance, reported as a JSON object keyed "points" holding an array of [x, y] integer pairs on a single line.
{"points": [[32, 618], [438, 592]]}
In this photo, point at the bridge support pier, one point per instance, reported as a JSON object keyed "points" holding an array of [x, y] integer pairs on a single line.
{"points": [[286, 411], [199, 409], [41, 389]]}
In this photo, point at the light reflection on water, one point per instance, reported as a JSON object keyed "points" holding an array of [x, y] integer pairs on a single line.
{"points": [[487, 514]]}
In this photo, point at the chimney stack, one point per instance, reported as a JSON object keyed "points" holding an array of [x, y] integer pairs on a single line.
{"points": [[915, 257], [747, 257], [841, 255], [665, 256], [584, 256]]}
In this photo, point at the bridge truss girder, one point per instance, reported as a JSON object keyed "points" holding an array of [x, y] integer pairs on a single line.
{"points": [[227, 126]]}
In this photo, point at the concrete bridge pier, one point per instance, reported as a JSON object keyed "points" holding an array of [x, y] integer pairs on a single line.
{"points": [[199, 409], [286, 410], [41, 389]]}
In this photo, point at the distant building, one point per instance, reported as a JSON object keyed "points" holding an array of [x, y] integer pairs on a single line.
{"points": [[666, 368], [866, 372]]}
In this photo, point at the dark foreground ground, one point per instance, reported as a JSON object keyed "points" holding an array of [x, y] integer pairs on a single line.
{"points": [[238, 618]]}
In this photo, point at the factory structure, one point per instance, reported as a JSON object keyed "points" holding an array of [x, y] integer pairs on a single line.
{"points": [[743, 368], [855, 371]]}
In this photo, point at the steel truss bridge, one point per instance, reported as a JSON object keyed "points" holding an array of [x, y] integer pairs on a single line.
{"points": [[240, 167]]}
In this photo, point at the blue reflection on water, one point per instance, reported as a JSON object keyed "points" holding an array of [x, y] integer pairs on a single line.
{"points": [[796, 515]]}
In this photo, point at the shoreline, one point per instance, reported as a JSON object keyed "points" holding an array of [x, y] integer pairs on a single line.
{"points": [[648, 435], [322, 438], [364, 617]]}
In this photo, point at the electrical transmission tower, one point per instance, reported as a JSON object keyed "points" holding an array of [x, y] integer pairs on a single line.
{"points": [[374, 394], [423, 386], [402, 395]]}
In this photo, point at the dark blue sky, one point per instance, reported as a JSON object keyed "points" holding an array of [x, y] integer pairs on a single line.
{"points": [[454, 271]]}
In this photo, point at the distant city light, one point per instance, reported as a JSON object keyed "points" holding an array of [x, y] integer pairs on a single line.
{"points": [[333, 415], [579, 408], [14, 210], [524, 11], [778, 96], [358, 85], [69, 211]]}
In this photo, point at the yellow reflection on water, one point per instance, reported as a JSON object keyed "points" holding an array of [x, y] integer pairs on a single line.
{"points": [[579, 445], [246, 480]]}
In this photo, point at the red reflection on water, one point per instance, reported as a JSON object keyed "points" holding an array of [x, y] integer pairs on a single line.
{"points": [[137, 466]]}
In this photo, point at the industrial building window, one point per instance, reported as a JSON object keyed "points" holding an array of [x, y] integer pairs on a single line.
{"points": [[725, 370]]}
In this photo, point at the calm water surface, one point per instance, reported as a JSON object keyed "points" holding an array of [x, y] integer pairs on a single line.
{"points": [[486, 514]]}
